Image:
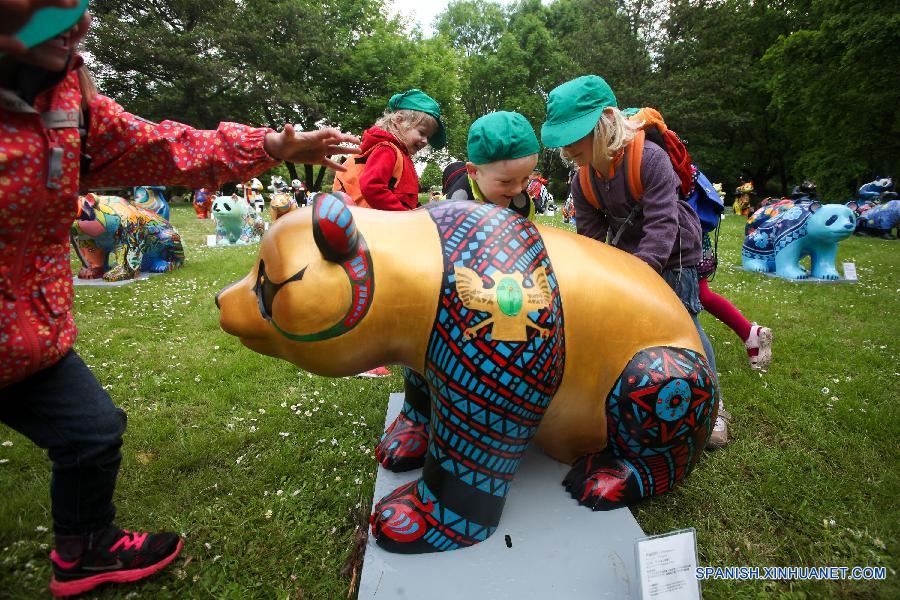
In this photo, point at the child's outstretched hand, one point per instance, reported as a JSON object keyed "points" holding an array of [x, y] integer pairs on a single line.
{"points": [[311, 147]]}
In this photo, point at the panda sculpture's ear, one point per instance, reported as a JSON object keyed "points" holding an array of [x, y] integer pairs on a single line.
{"points": [[815, 206], [852, 205], [334, 228]]}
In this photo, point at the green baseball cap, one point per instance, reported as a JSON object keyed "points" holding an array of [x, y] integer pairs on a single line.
{"points": [[573, 109], [48, 23], [501, 136], [415, 99]]}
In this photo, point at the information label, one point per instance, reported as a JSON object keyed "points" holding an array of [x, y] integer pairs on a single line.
{"points": [[850, 271], [667, 565], [211, 240]]}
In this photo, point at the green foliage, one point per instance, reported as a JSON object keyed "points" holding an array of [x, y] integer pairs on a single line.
{"points": [[774, 92], [836, 89], [430, 177]]}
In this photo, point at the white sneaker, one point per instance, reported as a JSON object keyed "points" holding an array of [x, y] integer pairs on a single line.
{"points": [[719, 436], [759, 347]]}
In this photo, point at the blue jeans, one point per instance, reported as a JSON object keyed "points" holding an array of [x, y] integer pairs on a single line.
{"points": [[686, 285], [66, 411]]}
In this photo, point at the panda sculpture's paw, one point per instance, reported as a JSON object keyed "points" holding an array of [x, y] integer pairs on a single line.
{"points": [[602, 482], [403, 446], [412, 520]]}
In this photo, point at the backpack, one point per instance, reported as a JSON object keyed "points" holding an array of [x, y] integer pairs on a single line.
{"points": [[653, 128], [451, 177], [348, 181], [707, 203]]}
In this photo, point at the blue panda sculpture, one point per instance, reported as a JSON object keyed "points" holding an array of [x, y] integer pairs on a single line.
{"points": [[880, 219], [807, 228]]}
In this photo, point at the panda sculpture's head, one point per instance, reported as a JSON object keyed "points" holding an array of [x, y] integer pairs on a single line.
{"points": [[95, 217], [313, 282], [230, 208], [833, 222]]}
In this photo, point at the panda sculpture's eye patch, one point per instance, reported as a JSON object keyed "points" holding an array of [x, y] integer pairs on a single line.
{"points": [[831, 220], [265, 289]]}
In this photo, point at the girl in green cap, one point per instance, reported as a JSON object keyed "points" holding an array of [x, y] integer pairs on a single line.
{"points": [[388, 179], [584, 121]]}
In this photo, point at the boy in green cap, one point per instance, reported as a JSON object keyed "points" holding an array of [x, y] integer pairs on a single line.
{"points": [[502, 149]]}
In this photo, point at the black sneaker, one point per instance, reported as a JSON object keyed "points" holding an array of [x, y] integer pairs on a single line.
{"points": [[116, 555]]}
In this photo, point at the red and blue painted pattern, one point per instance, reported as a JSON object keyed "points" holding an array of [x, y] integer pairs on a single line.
{"points": [[405, 442], [337, 237], [413, 516], [488, 396], [659, 417]]}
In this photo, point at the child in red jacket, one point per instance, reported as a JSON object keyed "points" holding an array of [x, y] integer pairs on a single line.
{"points": [[56, 135], [412, 121]]}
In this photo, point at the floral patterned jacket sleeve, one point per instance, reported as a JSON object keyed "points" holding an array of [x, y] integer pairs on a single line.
{"points": [[127, 150]]}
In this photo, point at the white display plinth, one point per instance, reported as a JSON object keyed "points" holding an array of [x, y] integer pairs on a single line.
{"points": [[559, 549]]}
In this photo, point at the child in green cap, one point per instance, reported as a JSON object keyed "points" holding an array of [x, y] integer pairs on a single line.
{"points": [[584, 121], [58, 134], [388, 180], [502, 149]]}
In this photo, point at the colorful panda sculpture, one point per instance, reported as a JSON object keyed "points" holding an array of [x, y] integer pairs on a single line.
{"points": [[508, 333], [778, 236], [116, 240], [237, 223]]}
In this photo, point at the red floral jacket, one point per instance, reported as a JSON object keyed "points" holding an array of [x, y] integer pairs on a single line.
{"points": [[40, 149]]}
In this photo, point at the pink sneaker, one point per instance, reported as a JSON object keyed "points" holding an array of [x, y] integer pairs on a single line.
{"points": [[375, 373], [759, 347], [117, 556]]}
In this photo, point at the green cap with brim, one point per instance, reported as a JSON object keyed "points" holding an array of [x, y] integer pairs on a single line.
{"points": [[501, 136], [573, 109], [418, 100], [48, 23]]}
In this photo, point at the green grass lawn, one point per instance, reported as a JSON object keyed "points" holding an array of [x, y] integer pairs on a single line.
{"points": [[267, 470]]}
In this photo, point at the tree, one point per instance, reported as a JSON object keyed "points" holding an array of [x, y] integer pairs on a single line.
{"points": [[431, 177], [263, 62], [711, 88], [836, 88]]}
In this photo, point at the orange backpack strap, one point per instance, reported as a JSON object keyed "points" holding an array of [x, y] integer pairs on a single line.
{"points": [[587, 187], [348, 181], [398, 164], [631, 162]]}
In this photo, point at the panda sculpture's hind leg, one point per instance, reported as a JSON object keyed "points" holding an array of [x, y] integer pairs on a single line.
{"points": [[405, 442], [659, 416]]}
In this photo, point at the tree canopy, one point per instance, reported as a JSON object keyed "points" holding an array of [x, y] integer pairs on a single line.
{"points": [[773, 91]]}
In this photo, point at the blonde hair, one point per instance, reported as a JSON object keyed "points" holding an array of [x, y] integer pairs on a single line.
{"points": [[395, 122], [86, 81], [88, 86], [612, 132]]}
